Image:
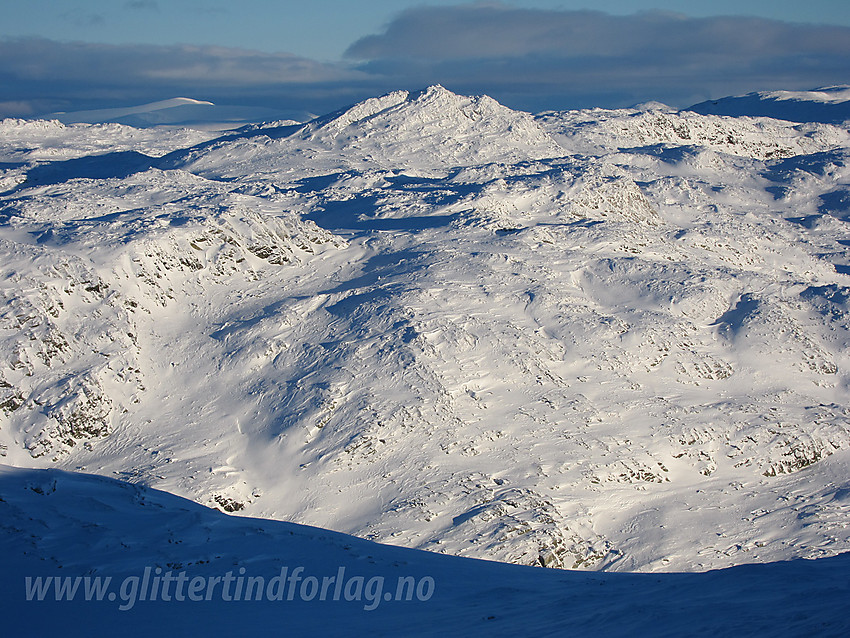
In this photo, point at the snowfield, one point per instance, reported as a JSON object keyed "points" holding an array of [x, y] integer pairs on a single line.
{"points": [[829, 104], [601, 340], [81, 530]]}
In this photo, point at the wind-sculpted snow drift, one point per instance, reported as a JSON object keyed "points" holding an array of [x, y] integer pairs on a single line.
{"points": [[598, 339]]}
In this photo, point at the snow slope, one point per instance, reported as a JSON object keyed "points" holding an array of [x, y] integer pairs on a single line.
{"points": [[145, 110], [69, 525], [178, 112], [608, 340], [829, 104]]}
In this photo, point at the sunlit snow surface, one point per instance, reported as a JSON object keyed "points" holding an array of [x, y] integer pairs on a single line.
{"points": [[597, 339]]}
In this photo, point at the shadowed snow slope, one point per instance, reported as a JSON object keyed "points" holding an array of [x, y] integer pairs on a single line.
{"points": [[829, 105], [74, 527]]}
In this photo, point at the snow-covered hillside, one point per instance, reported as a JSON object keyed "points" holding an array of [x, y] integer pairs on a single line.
{"points": [[830, 104], [70, 533], [596, 339]]}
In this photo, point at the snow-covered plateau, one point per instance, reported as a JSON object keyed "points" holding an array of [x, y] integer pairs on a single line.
{"points": [[607, 340]]}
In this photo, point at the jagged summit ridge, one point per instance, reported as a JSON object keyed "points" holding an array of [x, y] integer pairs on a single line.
{"points": [[431, 111], [429, 130], [437, 126]]}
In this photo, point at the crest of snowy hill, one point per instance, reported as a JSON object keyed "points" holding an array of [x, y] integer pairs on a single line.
{"points": [[830, 105], [429, 131], [25, 144], [596, 339], [596, 131]]}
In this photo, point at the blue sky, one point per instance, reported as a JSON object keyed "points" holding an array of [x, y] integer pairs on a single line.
{"points": [[319, 55]]}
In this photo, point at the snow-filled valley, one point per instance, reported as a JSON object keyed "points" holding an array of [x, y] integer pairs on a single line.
{"points": [[605, 340]]}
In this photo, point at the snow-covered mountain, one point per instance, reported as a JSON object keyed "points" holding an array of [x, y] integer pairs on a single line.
{"points": [[178, 111], [420, 133], [609, 340], [830, 105]]}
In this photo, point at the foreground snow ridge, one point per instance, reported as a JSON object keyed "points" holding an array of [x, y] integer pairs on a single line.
{"points": [[72, 533], [604, 340]]}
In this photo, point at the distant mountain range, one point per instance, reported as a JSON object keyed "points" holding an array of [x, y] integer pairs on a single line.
{"points": [[829, 105], [180, 111]]}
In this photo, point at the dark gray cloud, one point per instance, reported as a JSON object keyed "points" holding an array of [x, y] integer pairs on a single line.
{"points": [[39, 76], [540, 59]]}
